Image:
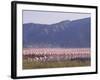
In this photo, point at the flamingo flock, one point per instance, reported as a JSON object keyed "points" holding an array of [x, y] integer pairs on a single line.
{"points": [[56, 54]]}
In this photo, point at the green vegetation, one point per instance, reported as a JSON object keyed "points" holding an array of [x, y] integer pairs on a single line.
{"points": [[54, 64]]}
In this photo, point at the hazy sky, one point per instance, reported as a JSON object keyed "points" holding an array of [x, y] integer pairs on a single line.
{"points": [[44, 17]]}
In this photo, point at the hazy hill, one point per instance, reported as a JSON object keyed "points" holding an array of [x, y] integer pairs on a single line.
{"points": [[65, 34]]}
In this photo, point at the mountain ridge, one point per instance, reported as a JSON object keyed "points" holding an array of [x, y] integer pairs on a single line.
{"points": [[65, 34]]}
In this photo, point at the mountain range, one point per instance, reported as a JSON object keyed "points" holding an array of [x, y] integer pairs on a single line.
{"points": [[65, 34]]}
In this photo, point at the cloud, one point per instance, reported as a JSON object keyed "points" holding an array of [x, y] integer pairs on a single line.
{"points": [[50, 17]]}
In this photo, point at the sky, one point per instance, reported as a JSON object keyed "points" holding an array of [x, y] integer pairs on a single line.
{"points": [[50, 17]]}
